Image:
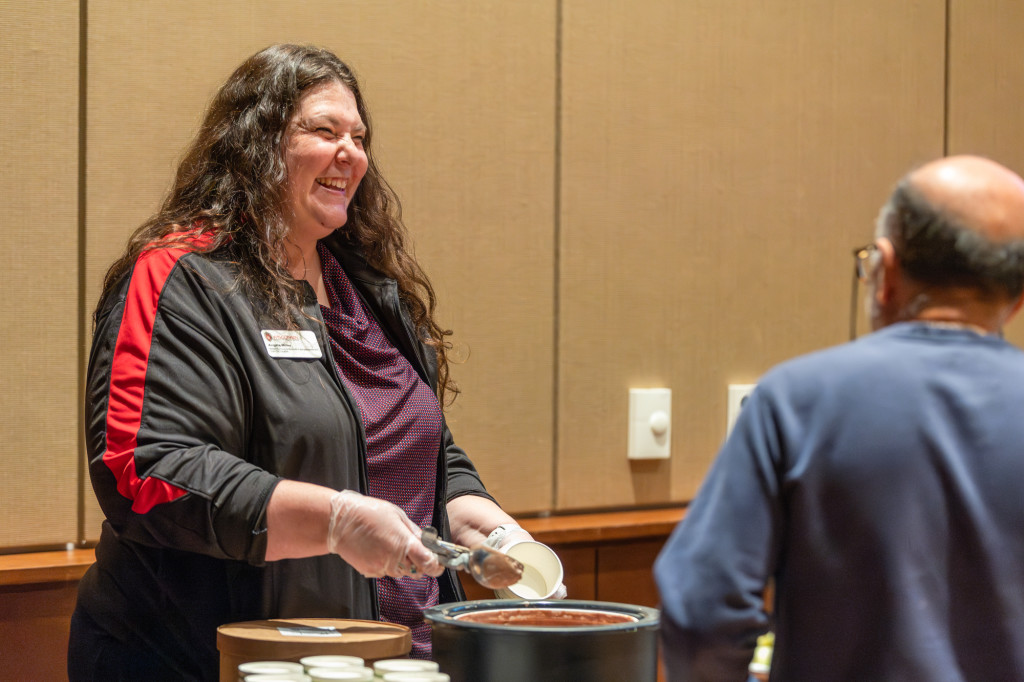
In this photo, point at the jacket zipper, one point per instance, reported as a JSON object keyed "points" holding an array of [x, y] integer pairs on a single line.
{"points": [[392, 304], [325, 343]]}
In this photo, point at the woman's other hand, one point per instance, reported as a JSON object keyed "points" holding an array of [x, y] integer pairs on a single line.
{"points": [[477, 520], [508, 534]]}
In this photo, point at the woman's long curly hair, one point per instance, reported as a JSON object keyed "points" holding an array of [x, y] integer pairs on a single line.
{"points": [[230, 190]]}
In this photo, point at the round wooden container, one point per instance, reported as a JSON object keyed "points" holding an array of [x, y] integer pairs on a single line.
{"points": [[289, 639]]}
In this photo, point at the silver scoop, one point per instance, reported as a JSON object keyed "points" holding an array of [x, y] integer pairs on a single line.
{"points": [[488, 566]]}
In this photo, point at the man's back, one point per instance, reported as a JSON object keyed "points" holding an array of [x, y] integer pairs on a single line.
{"points": [[880, 482]]}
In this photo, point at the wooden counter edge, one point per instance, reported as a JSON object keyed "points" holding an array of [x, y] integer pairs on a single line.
{"points": [[604, 526], [34, 568], [70, 565]]}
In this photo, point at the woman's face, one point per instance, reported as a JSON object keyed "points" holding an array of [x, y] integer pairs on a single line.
{"points": [[325, 159]]}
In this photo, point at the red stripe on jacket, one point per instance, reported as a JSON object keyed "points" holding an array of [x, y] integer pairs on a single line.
{"points": [[128, 379]]}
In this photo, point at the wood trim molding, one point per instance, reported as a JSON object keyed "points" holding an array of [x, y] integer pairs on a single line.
{"points": [[604, 526], [45, 567], [70, 565]]}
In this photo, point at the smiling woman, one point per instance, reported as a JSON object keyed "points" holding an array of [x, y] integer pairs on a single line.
{"points": [[264, 404], [326, 161]]}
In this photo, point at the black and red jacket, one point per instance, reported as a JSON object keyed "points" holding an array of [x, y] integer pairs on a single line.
{"points": [[190, 423]]}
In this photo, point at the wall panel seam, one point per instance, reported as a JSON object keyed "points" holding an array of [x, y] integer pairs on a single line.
{"points": [[556, 259], [946, 92], [83, 72]]}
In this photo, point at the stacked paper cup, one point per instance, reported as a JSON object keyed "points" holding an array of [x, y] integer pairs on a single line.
{"points": [[272, 671], [361, 674], [329, 668], [324, 668], [310, 662], [332, 668], [394, 666]]}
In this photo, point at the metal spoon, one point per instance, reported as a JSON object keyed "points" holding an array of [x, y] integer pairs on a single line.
{"points": [[488, 566]]}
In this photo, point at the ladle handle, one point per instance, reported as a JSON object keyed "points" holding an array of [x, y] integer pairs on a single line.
{"points": [[448, 553]]}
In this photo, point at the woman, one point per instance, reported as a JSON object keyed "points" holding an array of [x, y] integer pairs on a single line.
{"points": [[263, 392]]}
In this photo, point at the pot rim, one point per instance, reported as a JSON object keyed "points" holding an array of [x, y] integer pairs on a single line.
{"points": [[447, 614]]}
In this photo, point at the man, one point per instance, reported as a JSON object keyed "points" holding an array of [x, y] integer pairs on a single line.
{"points": [[879, 483]]}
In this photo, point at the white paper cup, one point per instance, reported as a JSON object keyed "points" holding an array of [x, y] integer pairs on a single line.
{"points": [[404, 665], [542, 572], [350, 674], [285, 668], [267, 667], [331, 661], [416, 677], [278, 677]]}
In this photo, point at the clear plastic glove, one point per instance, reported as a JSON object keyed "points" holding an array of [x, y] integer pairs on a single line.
{"points": [[508, 534], [377, 539]]}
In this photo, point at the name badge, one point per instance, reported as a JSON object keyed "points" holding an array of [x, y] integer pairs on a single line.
{"points": [[286, 343]]}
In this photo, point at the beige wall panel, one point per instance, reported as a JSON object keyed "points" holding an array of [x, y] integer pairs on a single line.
{"points": [[39, 386], [462, 95], [986, 88], [720, 160]]}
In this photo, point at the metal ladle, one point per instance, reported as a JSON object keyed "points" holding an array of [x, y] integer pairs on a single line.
{"points": [[488, 566]]}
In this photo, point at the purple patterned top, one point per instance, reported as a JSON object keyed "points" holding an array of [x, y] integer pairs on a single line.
{"points": [[402, 420]]}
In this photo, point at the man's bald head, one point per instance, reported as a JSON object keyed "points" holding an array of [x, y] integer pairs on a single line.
{"points": [[980, 194], [958, 222]]}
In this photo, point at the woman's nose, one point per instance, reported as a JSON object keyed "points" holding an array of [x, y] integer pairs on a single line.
{"points": [[345, 146]]}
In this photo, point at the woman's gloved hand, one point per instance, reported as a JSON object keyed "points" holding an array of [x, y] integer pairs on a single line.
{"points": [[508, 534], [377, 539]]}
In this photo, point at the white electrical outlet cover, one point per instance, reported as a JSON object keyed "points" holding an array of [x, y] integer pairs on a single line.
{"points": [[737, 396], [650, 423]]}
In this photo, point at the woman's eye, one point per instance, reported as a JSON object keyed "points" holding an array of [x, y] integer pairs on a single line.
{"points": [[358, 139], [325, 131]]}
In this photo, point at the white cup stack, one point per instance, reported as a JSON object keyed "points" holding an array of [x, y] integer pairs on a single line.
{"points": [[403, 665], [272, 671], [350, 674], [331, 661], [329, 668], [416, 677]]}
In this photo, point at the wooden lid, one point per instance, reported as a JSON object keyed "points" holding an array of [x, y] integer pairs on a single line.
{"points": [[292, 638]]}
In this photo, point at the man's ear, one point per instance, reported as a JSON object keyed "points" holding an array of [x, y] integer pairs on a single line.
{"points": [[887, 272], [1013, 309]]}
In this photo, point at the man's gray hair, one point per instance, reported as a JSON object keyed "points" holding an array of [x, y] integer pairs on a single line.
{"points": [[937, 250]]}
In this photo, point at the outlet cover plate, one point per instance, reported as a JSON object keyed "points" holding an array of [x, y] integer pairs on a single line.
{"points": [[650, 423], [737, 396]]}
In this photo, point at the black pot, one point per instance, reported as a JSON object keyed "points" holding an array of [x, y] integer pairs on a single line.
{"points": [[537, 641]]}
